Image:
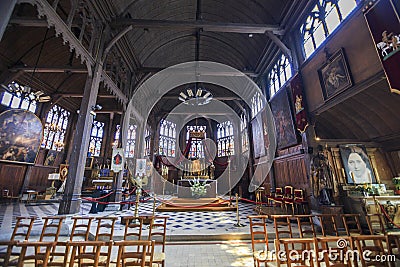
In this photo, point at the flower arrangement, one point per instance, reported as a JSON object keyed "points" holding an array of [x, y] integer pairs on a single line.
{"points": [[366, 189], [396, 182], [198, 188]]}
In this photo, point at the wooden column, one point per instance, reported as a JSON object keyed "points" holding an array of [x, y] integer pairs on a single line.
{"points": [[6, 9], [119, 177], [71, 202]]}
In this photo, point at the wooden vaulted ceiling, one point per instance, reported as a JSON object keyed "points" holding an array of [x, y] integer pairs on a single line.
{"points": [[170, 32]]}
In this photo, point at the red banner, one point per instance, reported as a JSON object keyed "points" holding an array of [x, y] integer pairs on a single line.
{"points": [[384, 25], [296, 87]]}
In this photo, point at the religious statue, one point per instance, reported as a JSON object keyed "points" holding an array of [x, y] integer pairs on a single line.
{"points": [[321, 178]]}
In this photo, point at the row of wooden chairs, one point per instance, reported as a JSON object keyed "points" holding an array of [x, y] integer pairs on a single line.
{"points": [[284, 225], [289, 198], [80, 233], [83, 253]]}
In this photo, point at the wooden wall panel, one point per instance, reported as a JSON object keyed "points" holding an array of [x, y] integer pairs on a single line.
{"points": [[291, 170], [38, 180], [12, 177]]}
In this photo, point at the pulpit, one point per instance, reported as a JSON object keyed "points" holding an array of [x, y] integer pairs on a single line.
{"points": [[185, 184]]}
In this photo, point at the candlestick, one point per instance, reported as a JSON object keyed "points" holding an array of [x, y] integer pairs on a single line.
{"points": [[352, 177]]}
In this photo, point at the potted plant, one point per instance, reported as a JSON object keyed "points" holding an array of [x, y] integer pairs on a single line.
{"points": [[198, 188], [396, 182]]}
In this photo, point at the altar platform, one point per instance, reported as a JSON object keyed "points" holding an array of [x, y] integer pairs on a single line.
{"points": [[192, 204]]}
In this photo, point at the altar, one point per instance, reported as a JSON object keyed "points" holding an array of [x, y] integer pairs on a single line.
{"points": [[185, 184]]}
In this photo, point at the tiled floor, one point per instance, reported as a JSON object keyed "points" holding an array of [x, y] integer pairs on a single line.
{"points": [[194, 238]]}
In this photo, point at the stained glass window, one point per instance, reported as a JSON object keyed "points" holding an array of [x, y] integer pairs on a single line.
{"points": [[55, 128], [279, 74], [96, 138], [196, 149], [225, 139], [256, 104], [167, 144], [26, 102], [323, 20]]}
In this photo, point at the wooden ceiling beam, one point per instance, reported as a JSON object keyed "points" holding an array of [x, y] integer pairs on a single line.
{"points": [[199, 25], [55, 69], [77, 95]]}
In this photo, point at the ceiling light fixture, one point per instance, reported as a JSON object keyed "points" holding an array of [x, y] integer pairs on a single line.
{"points": [[24, 92], [195, 96]]}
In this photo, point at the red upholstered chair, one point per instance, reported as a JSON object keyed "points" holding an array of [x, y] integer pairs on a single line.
{"points": [[300, 202], [288, 198], [277, 198]]}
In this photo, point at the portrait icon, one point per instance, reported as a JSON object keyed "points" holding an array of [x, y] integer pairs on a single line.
{"points": [[335, 75], [357, 164]]}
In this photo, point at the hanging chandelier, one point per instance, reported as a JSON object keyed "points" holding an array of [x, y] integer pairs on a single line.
{"points": [[196, 96], [24, 92]]}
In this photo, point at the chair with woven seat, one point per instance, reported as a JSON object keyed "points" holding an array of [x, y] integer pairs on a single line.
{"points": [[79, 232], [158, 233], [81, 255], [372, 246], [328, 224], [332, 251], [352, 224], [259, 240], [283, 229], [297, 251], [306, 227], [6, 248], [133, 227], [135, 253], [105, 232], [40, 256]]}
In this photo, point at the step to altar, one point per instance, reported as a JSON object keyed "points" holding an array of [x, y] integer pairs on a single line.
{"points": [[193, 204]]}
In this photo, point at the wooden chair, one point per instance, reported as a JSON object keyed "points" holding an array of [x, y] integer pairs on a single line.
{"points": [[283, 229], [133, 227], [158, 233], [300, 202], [6, 248], [105, 232], [22, 228], [297, 251], [332, 251], [80, 254], [277, 198], [288, 199], [40, 258], [306, 227], [370, 245], [328, 224], [352, 224], [141, 254], [259, 240], [376, 224]]}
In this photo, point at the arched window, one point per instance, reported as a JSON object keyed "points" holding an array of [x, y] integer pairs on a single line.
{"points": [[279, 74], [196, 149], [256, 104], [167, 141], [96, 138], [130, 142], [225, 139], [147, 138], [24, 101], [55, 128], [244, 132], [323, 20]]}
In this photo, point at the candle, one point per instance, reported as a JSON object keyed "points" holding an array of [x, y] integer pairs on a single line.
{"points": [[343, 173], [352, 177]]}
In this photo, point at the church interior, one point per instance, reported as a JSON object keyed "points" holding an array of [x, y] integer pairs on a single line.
{"points": [[200, 133]]}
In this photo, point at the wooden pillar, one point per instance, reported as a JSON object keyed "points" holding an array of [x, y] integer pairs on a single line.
{"points": [[119, 178], [71, 202], [6, 9]]}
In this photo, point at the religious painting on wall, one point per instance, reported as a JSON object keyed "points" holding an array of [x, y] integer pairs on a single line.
{"points": [[261, 138], [335, 75], [117, 162], [298, 100], [357, 165], [21, 134], [285, 131], [50, 158], [383, 22]]}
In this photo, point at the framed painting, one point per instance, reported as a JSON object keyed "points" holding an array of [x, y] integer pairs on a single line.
{"points": [[357, 165], [256, 127], [284, 126], [63, 171], [50, 158], [21, 133], [335, 75]]}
